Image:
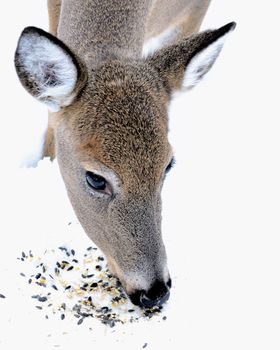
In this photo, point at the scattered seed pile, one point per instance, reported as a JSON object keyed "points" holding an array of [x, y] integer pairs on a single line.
{"points": [[79, 286]]}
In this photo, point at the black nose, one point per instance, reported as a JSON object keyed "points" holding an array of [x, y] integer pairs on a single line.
{"points": [[157, 295]]}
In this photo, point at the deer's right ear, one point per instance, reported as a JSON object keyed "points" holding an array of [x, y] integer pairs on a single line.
{"points": [[47, 68]]}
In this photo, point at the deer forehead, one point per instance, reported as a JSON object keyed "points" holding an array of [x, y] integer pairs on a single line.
{"points": [[121, 121], [121, 94], [134, 151]]}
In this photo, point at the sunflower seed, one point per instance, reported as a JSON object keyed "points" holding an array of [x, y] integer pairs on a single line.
{"points": [[42, 299], [81, 320], [35, 296], [63, 249]]}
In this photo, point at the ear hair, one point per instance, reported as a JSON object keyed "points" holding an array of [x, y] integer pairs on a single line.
{"points": [[47, 68], [184, 64]]}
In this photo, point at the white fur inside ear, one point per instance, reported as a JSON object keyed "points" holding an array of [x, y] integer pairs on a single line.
{"points": [[160, 41], [50, 67], [201, 63]]}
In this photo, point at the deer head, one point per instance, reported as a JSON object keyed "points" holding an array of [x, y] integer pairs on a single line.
{"points": [[111, 132]]}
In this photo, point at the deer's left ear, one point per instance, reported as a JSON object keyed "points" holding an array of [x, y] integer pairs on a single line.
{"points": [[183, 65]]}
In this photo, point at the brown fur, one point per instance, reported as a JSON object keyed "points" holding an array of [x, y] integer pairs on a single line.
{"points": [[117, 125], [186, 15]]}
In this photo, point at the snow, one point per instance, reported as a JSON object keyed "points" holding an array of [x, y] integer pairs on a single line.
{"points": [[221, 202]]}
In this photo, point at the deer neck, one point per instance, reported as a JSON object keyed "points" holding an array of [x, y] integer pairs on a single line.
{"points": [[104, 28]]}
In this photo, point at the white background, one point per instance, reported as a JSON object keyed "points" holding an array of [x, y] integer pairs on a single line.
{"points": [[221, 202]]}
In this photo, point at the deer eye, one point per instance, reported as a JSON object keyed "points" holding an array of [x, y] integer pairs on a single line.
{"points": [[96, 182], [170, 165]]}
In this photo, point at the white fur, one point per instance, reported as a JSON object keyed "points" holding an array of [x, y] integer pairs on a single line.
{"points": [[158, 42], [135, 281], [201, 63], [38, 54], [31, 159]]}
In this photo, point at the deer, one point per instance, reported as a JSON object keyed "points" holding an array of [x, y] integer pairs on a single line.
{"points": [[107, 71]]}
